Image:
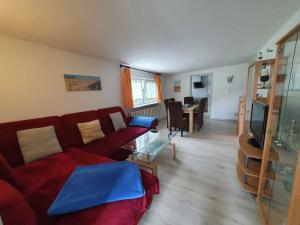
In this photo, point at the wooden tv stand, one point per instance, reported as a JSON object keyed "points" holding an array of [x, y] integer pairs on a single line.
{"points": [[249, 164]]}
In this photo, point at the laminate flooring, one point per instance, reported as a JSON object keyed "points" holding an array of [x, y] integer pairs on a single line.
{"points": [[201, 186]]}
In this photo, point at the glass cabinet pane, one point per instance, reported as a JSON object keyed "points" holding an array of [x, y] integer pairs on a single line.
{"points": [[285, 129]]}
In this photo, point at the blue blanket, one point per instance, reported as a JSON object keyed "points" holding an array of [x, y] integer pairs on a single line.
{"points": [[142, 121], [95, 185]]}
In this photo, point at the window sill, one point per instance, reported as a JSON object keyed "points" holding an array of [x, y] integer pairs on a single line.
{"points": [[145, 106]]}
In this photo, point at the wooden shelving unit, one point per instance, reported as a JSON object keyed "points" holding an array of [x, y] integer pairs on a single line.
{"points": [[273, 173], [249, 158]]}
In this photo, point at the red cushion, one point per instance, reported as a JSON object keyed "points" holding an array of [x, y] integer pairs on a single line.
{"points": [[106, 123], [14, 210], [70, 122], [104, 148], [43, 179], [9, 146], [125, 135], [6, 172], [110, 145]]}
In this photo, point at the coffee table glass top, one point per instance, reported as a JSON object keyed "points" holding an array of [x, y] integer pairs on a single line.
{"points": [[149, 145]]}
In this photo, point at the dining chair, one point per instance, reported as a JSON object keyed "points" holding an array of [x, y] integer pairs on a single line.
{"points": [[166, 101], [188, 100], [177, 120], [200, 114]]}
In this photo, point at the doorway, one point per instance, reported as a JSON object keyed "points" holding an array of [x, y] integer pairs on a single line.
{"points": [[201, 87]]}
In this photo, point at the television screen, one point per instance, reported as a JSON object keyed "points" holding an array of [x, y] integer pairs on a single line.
{"points": [[258, 121], [198, 84]]}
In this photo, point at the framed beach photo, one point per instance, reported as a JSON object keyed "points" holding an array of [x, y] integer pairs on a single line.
{"points": [[177, 86], [82, 83]]}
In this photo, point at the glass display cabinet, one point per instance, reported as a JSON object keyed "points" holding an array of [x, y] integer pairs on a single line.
{"points": [[282, 207]]}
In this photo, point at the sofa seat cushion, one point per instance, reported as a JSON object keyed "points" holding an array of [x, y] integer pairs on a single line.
{"points": [[105, 148], [43, 179], [125, 135], [110, 145]]}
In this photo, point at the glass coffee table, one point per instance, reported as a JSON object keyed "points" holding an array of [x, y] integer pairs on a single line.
{"points": [[147, 147]]}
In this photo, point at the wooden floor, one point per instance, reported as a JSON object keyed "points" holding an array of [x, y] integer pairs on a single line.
{"points": [[201, 187]]}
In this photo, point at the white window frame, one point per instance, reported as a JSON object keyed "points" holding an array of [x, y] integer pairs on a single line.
{"points": [[144, 92]]}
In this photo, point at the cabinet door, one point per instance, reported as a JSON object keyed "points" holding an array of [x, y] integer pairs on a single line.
{"points": [[283, 133], [290, 139]]}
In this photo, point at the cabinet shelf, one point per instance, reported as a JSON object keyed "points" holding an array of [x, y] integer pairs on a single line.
{"points": [[252, 151], [253, 167], [251, 185]]}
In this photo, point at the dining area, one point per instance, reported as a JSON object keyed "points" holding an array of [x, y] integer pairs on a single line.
{"points": [[186, 115]]}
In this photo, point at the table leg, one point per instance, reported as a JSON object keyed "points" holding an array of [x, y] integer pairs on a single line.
{"points": [[154, 169], [191, 120], [150, 166], [174, 151]]}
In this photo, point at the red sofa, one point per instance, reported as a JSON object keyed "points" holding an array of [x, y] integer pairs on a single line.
{"points": [[38, 182]]}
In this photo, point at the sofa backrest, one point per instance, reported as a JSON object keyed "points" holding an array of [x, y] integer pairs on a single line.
{"points": [[70, 122], [106, 123], [9, 145]]}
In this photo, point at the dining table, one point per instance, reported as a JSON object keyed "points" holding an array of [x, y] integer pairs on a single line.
{"points": [[190, 110]]}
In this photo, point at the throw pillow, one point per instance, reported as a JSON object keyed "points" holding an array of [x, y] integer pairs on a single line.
{"points": [[38, 143], [90, 131], [117, 120], [6, 172]]}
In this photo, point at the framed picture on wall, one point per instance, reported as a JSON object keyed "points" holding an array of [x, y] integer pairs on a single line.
{"points": [[82, 83], [177, 86]]}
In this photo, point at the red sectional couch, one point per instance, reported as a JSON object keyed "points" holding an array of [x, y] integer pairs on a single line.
{"points": [[39, 182]]}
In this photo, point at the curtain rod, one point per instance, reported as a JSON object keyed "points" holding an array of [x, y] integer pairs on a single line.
{"points": [[138, 69]]}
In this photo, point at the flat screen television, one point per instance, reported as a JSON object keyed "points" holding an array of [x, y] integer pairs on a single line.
{"points": [[198, 84], [258, 122]]}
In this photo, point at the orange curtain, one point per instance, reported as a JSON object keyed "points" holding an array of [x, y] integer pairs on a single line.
{"points": [[127, 89], [159, 89]]}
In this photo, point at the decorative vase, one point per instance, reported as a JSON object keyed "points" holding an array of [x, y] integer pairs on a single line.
{"points": [[264, 79]]}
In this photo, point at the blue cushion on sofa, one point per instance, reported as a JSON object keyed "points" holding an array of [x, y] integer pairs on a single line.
{"points": [[95, 185], [142, 121]]}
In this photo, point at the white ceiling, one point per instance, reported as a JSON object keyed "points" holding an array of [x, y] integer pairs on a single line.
{"points": [[167, 36]]}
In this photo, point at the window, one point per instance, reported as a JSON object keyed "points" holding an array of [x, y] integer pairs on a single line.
{"points": [[143, 91]]}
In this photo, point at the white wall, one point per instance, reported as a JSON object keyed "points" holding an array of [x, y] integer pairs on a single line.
{"points": [[32, 83], [271, 43], [225, 97]]}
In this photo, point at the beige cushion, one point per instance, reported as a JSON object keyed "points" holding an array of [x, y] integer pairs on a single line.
{"points": [[38, 143], [117, 120], [90, 131]]}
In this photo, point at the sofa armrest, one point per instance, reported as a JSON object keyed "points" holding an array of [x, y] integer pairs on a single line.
{"points": [[128, 119], [14, 209]]}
